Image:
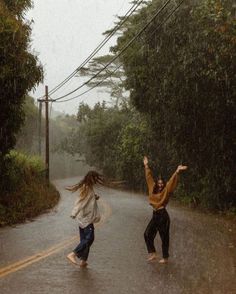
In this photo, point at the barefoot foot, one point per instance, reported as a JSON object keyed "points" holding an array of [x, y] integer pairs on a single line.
{"points": [[152, 256], [163, 261], [83, 263], [71, 257]]}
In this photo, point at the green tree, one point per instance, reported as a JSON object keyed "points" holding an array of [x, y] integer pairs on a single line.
{"points": [[19, 73], [111, 80], [181, 109], [19, 69], [134, 142], [97, 136], [27, 138], [183, 79]]}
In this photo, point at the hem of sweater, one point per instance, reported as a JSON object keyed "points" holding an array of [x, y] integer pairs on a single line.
{"points": [[159, 208], [84, 225]]}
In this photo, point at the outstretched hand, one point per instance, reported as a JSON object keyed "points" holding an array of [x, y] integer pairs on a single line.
{"points": [[181, 168], [145, 160]]}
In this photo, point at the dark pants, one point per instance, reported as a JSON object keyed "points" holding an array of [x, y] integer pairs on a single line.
{"points": [[86, 240], [160, 222]]}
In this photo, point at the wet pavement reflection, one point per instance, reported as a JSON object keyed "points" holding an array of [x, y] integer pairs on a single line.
{"points": [[202, 251]]}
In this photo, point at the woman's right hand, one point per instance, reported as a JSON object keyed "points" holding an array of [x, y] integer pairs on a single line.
{"points": [[145, 160]]}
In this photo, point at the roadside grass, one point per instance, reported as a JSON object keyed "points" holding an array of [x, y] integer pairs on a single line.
{"points": [[27, 194]]}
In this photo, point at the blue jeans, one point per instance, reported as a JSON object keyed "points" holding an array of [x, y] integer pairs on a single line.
{"points": [[86, 240]]}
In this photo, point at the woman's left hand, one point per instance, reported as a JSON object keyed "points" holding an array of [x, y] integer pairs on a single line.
{"points": [[181, 167], [145, 160]]}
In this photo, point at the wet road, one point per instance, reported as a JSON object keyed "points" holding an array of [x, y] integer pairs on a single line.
{"points": [[202, 250]]}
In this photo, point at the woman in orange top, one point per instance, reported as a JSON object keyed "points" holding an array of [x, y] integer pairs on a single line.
{"points": [[159, 194]]}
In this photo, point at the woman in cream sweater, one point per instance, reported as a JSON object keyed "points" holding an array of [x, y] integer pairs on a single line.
{"points": [[86, 213]]}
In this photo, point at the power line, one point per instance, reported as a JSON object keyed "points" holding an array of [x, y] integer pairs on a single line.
{"points": [[98, 48], [122, 50], [90, 89], [100, 82]]}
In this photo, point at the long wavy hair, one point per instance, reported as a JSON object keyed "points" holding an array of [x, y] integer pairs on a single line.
{"points": [[92, 178]]}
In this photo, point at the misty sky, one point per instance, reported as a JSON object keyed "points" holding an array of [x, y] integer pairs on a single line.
{"points": [[64, 33]]}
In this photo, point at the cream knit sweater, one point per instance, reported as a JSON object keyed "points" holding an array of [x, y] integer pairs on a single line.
{"points": [[86, 210]]}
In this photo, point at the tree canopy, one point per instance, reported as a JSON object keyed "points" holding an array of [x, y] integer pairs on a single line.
{"points": [[20, 70], [180, 73], [184, 80]]}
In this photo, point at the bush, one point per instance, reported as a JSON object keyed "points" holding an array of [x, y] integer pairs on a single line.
{"points": [[26, 193]]}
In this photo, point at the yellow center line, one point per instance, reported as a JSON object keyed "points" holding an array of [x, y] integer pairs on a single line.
{"points": [[4, 271]]}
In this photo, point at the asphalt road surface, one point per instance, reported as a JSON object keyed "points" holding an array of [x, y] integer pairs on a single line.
{"points": [[202, 251]]}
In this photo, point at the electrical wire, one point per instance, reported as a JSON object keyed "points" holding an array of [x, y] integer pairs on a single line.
{"points": [[98, 48], [122, 50], [90, 89], [100, 82]]}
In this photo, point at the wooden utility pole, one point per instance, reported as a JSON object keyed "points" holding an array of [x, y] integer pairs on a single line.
{"points": [[47, 134], [40, 128]]}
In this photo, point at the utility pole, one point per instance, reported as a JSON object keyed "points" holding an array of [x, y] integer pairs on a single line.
{"points": [[47, 134], [40, 128], [46, 100]]}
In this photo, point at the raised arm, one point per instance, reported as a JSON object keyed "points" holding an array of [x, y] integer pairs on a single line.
{"points": [[148, 175], [172, 183]]}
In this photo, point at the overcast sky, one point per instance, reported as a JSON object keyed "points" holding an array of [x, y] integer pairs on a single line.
{"points": [[64, 33]]}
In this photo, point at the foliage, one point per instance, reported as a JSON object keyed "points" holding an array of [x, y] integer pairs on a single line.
{"points": [[27, 138], [20, 166], [61, 164], [180, 75], [111, 79], [27, 193], [19, 70], [184, 80], [134, 142], [96, 138]]}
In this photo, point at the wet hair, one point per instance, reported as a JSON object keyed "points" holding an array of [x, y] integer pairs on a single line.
{"points": [[91, 178]]}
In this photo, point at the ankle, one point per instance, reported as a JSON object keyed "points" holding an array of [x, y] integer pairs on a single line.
{"points": [[83, 263]]}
